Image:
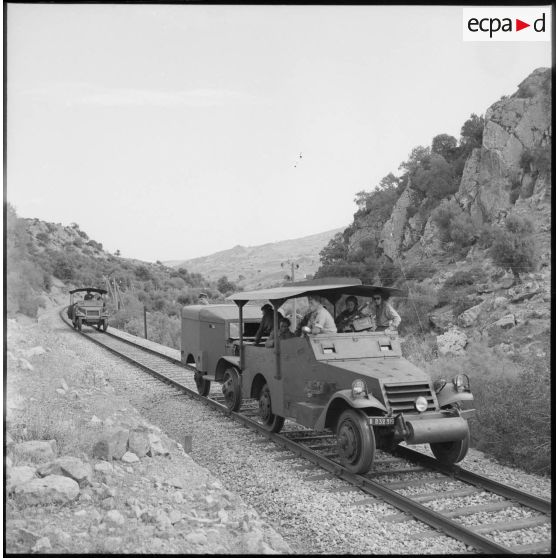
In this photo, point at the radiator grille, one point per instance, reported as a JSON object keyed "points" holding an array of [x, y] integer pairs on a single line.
{"points": [[401, 397], [93, 313]]}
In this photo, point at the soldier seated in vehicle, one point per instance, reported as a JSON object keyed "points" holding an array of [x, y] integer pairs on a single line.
{"points": [[284, 333], [88, 296], [385, 315], [345, 318], [266, 325], [319, 320]]}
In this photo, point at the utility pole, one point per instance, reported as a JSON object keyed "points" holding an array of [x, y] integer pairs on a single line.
{"points": [[145, 321], [292, 278]]}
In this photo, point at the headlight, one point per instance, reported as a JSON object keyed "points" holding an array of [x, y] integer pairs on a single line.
{"points": [[461, 382], [421, 404], [358, 389]]}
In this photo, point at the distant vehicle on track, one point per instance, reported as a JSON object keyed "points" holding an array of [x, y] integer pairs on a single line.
{"points": [[356, 383], [90, 309]]}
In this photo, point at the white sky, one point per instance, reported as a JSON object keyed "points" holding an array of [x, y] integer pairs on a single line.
{"points": [[171, 132]]}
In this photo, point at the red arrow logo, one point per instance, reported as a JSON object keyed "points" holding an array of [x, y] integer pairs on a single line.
{"points": [[519, 25]]}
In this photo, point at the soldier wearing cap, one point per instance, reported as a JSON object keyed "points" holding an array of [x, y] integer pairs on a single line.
{"points": [[202, 299]]}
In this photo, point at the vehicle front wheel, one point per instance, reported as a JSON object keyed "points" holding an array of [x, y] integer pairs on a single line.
{"points": [[78, 324], [203, 385], [271, 422], [449, 453], [105, 325], [355, 441], [231, 389]]}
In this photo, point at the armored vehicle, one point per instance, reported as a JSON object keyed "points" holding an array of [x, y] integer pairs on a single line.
{"points": [[355, 383], [89, 308]]}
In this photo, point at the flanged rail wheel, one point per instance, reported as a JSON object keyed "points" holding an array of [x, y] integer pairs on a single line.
{"points": [[203, 385], [449, 453], [355, 441], [271, 422], [78, 324], [105, 324], [231, 389]]}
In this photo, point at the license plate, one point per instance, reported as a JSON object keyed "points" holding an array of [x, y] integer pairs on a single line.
{"points": [[381, 421]]}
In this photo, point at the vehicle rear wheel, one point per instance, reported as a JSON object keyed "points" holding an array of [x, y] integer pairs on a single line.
{"points": [[203, 385], [449, 453], [271, 422], [355, 441], [78, 324], [231, 389]]}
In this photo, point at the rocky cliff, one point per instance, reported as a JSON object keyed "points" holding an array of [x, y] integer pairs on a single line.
{"points": [[508, 174]]}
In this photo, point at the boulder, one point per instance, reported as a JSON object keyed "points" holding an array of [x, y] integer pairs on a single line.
{"points": [[104, 467], [197, 537], [37, 451], [156, 446], [115, 517], [505, 322], [138, 441], [112, 444], [452, 342], [42, 545], [64, 385], [71, 467], [18, 476], [54, 489], [130, 457], [470, 316], [525, 296]]}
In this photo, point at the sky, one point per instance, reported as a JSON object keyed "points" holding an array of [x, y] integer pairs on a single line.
{"points": [[172, 132]]}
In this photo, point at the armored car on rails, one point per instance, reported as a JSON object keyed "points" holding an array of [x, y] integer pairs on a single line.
{"points": [[356, 384]]}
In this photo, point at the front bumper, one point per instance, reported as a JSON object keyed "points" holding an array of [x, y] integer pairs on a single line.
{"points": [[435, 430]]}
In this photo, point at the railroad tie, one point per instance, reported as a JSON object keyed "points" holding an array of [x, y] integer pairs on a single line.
{"points": [[430, 496], [511, 525], [319, 477], [470, 510]]}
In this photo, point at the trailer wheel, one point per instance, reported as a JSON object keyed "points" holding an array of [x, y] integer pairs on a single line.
{"points": [[203, 385], [449, 453], [271, 422], [231, 389], [355, 441]]}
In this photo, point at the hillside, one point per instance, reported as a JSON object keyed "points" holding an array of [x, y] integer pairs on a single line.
{"points": [[260, 266]]}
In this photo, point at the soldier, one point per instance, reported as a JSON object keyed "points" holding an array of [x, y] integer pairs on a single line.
{"points": [[344, 320], [384, 313], [284, 332], [202, 299], [266, 325]]}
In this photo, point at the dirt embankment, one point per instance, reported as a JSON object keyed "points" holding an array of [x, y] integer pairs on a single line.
{"points": [[66, 494]]}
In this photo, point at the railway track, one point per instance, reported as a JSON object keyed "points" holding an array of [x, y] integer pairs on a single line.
{"points": [[411, 481]]}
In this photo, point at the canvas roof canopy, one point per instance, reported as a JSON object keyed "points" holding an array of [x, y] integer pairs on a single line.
{"points": [[89, 289], [331, 290]]}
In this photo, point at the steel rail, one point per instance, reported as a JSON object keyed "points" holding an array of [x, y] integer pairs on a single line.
{"points": [[367, 485]]}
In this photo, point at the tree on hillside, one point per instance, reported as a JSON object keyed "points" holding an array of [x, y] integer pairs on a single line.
{"points": [[472, 130], [225, 286], [444, 145], [514, 247], [435, 178]]}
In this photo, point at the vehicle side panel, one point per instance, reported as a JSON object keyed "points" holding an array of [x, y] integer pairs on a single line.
{"points": [[261, 360]]}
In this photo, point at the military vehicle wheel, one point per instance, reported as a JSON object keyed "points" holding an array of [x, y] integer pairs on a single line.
{"points": [[78, 324], [231, 389], [105, 325], [449, 453], [271, 422], [203, 385], [355, 441]]}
